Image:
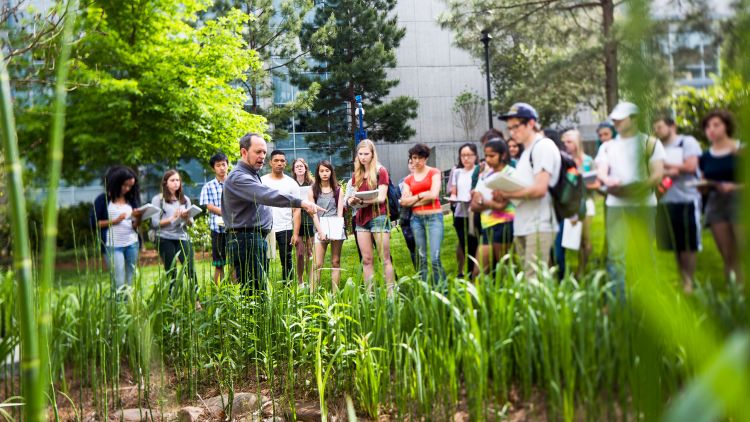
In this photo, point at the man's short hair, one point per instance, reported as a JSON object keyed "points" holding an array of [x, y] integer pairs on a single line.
{"points": [[217, 158], [668, 120], [277, 152], [246, 140]]}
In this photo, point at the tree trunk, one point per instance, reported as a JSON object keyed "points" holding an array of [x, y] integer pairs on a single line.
{"points": [[610, 55]]}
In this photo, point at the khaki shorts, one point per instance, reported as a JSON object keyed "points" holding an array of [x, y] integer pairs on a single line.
{"points": [[534, 249]]}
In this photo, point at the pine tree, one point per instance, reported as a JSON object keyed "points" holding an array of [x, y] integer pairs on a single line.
{"points": [[272, 33], [362, 37]]}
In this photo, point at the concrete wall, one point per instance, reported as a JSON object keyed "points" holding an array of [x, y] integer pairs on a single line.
{"points": [[434, 72]]}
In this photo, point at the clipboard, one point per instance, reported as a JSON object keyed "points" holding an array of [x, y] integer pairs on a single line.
{"points": [[194, 210], [504, 182], [367, 195], [148, 211]]}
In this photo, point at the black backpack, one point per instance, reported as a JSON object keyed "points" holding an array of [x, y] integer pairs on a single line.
{"points": [[394, 196], [569, 193]]}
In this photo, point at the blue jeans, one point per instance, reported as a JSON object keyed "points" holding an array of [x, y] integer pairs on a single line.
{"points": [[121, 261], [629, 241], [428, 230], [559, 252]]}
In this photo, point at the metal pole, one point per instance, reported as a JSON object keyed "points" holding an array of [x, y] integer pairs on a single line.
{"points": [[486, 41]]}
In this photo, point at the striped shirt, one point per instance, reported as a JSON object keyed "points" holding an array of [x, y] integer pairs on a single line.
{"points": [[121, 234], [211, 195]]}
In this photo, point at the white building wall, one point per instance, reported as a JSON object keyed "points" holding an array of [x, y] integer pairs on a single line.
{"points": [[434, 72]]}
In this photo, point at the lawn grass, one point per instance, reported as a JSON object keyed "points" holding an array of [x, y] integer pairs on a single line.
{"points": [[709, 267]]}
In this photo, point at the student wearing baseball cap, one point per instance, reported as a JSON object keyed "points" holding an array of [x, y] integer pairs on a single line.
{"points": [[630, 166], [535, 224]]}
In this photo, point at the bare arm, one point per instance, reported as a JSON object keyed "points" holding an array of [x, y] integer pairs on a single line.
{"points": [[657, 172], [537, 190], [213, 209], [477, 202], [340, 202]]}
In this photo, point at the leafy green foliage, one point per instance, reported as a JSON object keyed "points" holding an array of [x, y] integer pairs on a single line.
{"points": [[351, 45], [273, 34], [149, 88], [691, 105], [548, 53]]}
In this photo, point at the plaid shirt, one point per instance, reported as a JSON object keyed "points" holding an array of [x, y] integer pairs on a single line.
{"points": [[211, 194]]}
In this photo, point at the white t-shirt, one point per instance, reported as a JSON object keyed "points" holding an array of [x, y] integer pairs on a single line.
{"points": [[537, 215], [462, 181], [282, 217], [626, 160], [121, 234]]}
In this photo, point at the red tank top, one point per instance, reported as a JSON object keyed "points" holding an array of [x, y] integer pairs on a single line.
{"points": [[424, 185]]}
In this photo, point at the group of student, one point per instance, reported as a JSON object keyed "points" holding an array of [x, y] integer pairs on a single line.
{"points": [[660, 185], [630, 169]]}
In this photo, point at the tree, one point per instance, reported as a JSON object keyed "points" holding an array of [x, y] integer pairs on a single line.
{"points": [[362, 36], [555, 54], [273, 35], [466, 111], [149, 89]]}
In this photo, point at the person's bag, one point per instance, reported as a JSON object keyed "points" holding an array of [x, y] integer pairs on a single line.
{"points": [[475, 223], [570, 191], [394, 196]]}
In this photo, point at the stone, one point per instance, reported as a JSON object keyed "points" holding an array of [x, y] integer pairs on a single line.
{"points": [[132, 415], [308, 412], [247, 402], [189, 414], [216, 404]]}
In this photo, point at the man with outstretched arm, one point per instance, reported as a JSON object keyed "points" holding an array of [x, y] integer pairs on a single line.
{"points": [[247, 216]]}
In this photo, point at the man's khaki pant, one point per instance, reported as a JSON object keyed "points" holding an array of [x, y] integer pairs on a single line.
{"points": [[534, 249]]}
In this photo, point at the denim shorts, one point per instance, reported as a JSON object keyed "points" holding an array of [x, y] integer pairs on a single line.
{"points": [[499, 233], [379, 224]]}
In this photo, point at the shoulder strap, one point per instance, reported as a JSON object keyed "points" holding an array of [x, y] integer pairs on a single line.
{"points": [[650, 147], [531, 152], [475, 176]]}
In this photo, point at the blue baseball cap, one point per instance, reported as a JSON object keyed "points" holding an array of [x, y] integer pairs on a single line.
{"points": [[520, 111]]}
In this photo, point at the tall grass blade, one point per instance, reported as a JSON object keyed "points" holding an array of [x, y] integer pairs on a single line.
{"points": [[49, 241], [31, 385]]}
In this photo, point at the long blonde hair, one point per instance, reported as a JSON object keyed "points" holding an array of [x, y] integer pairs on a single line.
{"points": [[371, 173], [578, 138]]}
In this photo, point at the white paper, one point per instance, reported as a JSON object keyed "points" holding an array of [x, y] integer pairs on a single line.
{"points": [[219, 221], [304, 191], [271, 241], [674, 156], [333, 227], [571, 237], [194, 210], [365, 195], [504, 182], [148, 210], [449, 199], [590, 177]]}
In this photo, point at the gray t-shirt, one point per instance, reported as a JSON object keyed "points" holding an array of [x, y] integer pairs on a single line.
{"points": [[176, 230], [327, 201], [677, 151]]}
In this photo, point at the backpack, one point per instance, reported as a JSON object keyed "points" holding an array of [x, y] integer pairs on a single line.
{"points": [[569, 193], [394, 196]]}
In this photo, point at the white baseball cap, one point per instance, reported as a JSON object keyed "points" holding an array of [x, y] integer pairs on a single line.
{"points": [[622, 110]]}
